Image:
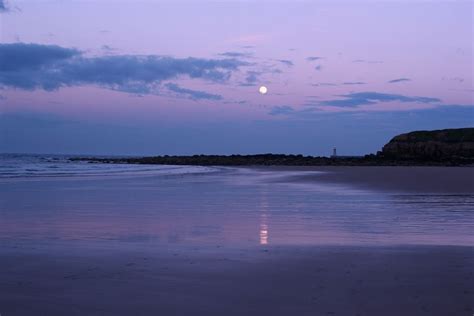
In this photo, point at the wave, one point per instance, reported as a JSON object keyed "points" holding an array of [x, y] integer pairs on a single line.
{"points": [[25, 166]]}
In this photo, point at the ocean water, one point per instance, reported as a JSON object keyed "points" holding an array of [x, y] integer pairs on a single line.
{"points": [[27, 166], [48, 200]]}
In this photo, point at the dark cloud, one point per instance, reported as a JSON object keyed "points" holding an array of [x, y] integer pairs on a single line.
{"points": [[192, 94], [350, 102], [366, 98], [254, 75], [147, 69], [48, 67], [281, 110], [286, 62], [3, 7], [261, 71], [399, 80], [251, 78], [313, 58], [18, 56], [353, 83], [318, 67], [235, 54]]}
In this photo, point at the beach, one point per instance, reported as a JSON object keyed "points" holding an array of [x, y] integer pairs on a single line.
{"points": [[149, 240], [236, 158], [275, 280]]}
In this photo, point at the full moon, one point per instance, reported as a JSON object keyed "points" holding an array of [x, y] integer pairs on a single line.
{"points": [[263, 90]]}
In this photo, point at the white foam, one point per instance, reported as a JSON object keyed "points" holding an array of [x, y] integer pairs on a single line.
{"points": [[22, 166]]}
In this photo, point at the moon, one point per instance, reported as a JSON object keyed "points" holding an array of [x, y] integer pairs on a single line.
{"points": [[263, 90]]}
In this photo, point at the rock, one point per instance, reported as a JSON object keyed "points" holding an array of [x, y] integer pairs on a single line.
{"points": [[435, 145]]}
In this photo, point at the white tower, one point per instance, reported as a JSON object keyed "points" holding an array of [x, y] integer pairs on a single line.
{"points": [[334, 152]]}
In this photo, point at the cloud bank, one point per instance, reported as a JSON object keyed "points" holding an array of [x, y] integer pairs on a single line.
{"points": [[366, 98], [50, 67]]}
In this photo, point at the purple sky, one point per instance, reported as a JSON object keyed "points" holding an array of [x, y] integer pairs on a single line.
{"points": [[182, 77]]}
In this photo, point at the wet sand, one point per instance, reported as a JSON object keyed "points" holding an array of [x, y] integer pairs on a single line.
{"points": [[427, 280], [137, 247], [443, 180]]}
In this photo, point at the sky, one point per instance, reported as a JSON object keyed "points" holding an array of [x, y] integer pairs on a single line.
{"points": [[110, 77]]}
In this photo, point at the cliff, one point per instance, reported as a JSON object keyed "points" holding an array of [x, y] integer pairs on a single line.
{"points": [[438, 145]]}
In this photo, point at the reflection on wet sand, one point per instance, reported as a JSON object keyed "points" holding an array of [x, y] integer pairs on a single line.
{"points": [[263, 219], [263, 230], [221, 209]]}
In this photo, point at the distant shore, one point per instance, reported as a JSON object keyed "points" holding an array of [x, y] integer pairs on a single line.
{"points": [[448, 147], [279, 160]]}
